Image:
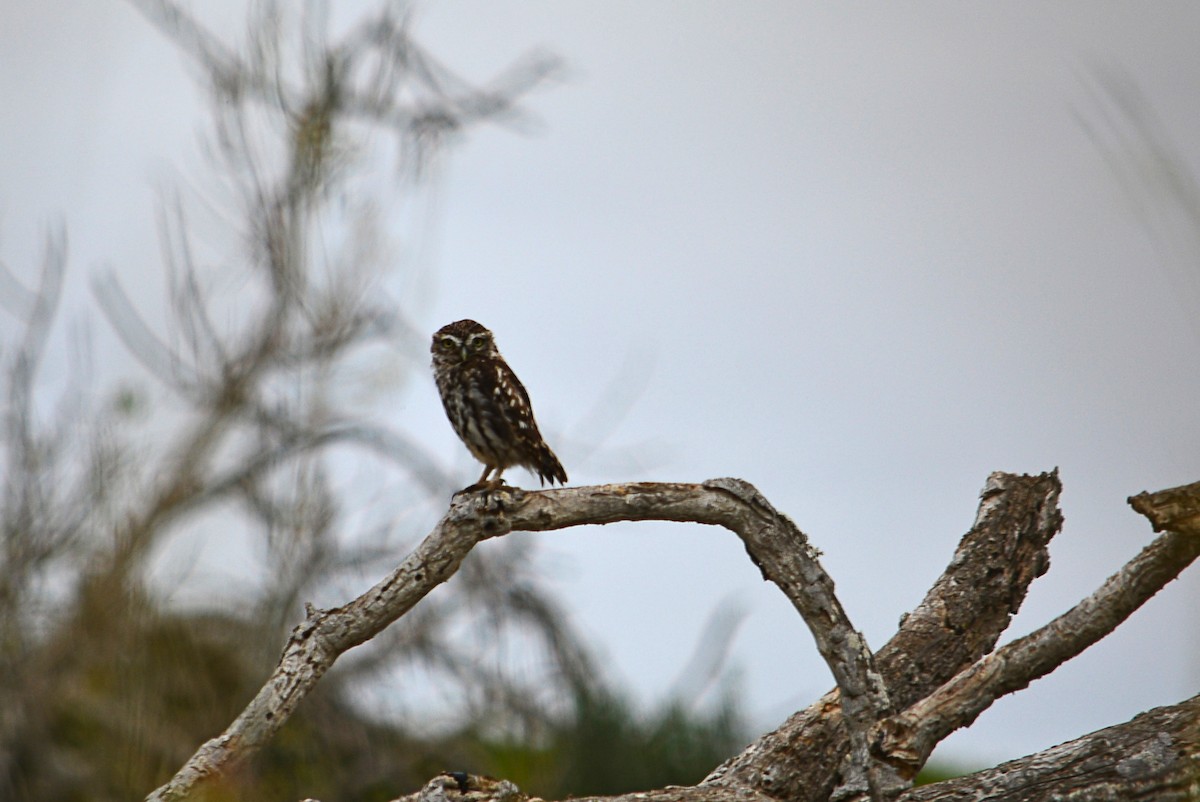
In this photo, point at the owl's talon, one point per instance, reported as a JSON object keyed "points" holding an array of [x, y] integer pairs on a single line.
{"points": [[495, 492], [488, 486]]}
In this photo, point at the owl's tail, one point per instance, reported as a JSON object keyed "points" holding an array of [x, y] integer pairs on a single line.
{"points": [[547, 466]]}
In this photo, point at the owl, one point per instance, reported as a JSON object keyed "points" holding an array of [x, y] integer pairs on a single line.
{"points": [[488, 406]]}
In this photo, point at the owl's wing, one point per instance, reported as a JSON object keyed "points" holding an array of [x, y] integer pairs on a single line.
{"points": [[518, 414], [518, 411]]}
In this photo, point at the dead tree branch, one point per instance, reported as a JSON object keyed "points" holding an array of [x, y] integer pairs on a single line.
{"points": [[1019, 511], [959, 621], [772, 540], [1153, 757], [921, 667], [909, 738]]}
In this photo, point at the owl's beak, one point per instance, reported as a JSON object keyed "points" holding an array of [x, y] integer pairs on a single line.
{"points": [[464, 353]]}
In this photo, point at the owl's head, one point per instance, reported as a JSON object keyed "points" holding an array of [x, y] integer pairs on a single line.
{"points": [[460, 341]]}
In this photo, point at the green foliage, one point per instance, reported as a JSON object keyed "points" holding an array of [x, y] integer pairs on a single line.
{"points": [[609, 747], [937, 772], [143, 695]]}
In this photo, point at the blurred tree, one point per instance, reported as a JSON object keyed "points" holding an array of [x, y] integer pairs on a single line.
{"points": [[107, 687]]}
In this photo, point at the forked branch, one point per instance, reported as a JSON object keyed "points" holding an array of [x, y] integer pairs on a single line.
{"points": [[815, 754], [909, 738], [959, 620], [772, 540]]}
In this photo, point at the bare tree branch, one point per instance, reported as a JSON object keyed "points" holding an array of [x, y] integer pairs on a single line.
{"points": [[1152, 758], [29, 536], [218, 61], [909, 738], [325, 634], [783, 554], [1017, 517], [188, 299], [771, 539], [154, 354], [959, 620], [1176, 509]]}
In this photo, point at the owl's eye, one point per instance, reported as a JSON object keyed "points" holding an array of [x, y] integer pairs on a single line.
{"points": [[446, 344], [478, 343]]}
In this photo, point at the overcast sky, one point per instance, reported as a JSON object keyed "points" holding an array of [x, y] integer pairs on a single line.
{"points": [[860, 255]]}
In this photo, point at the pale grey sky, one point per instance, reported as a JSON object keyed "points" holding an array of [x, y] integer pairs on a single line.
{"points": [[860, 255]]}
